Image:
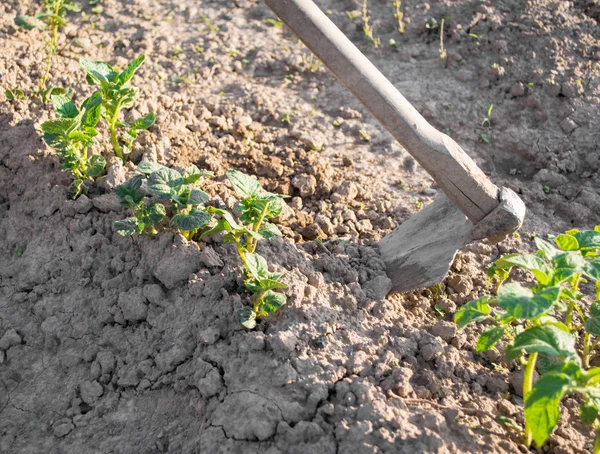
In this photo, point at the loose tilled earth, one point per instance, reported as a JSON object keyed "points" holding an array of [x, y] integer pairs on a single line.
{"points": [[132, 345]]}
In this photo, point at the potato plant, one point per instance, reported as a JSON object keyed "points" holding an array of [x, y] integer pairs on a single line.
{"points": [[52, 18], [165, 186], [255, 208], [191, 217], [116, 94], [544, 325], [72, 134]]}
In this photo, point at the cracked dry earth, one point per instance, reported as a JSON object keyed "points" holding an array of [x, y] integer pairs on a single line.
{"points": [[132, 345]]}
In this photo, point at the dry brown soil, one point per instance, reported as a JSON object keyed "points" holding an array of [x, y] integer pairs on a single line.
{"points": [[132, 345]]}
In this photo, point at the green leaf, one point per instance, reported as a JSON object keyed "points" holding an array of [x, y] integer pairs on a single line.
{"points": [[269, 284], [542, 406], [589, 411], [489, 338], [144, 122], [472, 311], [196, 219], [226, 215], [546, 363], [268, 230], [128, 73], [244, 185], [588, 239], [73, 7], [566, 242], [592, 269], [154, 213], [197, 197], [247, 317], [64, 106], [147, 167], [98, 71], [92, 108], [547, 248], [29, 23], [127, 97], [520, 302], [58, 125], [96, 165], [595, 309], [566, 265], [257, 266], [165, 183], [546, 339], [128, 227], [129, 192], [271, 302], [534, 263], [592, 325], [193, 174]]}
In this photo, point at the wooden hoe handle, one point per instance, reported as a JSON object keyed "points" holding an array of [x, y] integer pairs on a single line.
{"points": [[454, 171]]}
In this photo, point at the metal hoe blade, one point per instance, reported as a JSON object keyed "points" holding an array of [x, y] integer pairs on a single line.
{"points": [[419, 252]]}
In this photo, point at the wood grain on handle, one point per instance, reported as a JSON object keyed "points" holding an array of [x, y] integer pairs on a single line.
{"points": [[453, 170]]}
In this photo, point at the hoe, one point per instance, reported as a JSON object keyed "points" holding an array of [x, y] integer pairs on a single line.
{"points": [[420, 251]]}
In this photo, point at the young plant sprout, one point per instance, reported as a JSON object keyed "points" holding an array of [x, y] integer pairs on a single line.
{"points": [[117, 95], [166, 185], [72, 134], [367, 27], [53, 18], [255, 208], [399, 16], [543, 326]]}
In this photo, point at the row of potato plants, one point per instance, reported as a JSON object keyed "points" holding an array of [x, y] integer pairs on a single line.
{"points": [[552, 327], [157, 195]]}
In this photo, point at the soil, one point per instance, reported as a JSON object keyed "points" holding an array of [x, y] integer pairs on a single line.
{"points": [[132, 345]]}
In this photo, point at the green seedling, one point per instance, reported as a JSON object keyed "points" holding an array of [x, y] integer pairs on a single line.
{"points": [[353, 15], [484, 138], [440, 312], [212, 27], [443, 53], [543, 326], [15, 94], [255, 208], [399, 16], [165, 186], [18, 251], [487, 121], [52, 18], [393, 44], [72, 134], [364, 135], [287, 117], [367, 27], [274, 22], [311, 63], [117, 95], [431, 24]]}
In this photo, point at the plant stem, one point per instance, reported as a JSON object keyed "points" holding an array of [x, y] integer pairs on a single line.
{"points": [[586, 350], [251, 243], [597, 442], [51, 50], [527, 386], [569, 319], [113, 131]]}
